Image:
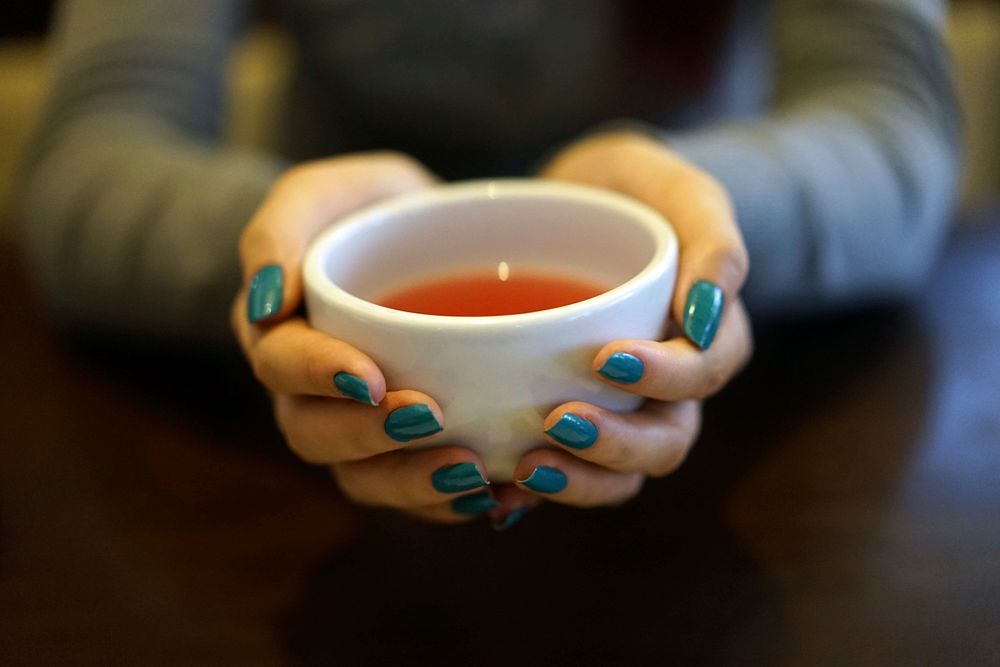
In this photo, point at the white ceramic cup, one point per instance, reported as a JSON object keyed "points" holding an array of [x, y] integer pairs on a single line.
{"points": [[497, 377]]}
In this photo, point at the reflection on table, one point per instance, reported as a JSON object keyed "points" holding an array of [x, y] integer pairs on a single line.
{"points": [[841, 508]]}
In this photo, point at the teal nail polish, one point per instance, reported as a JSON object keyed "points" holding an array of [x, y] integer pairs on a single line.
{"points": [[458, 477], [477, 503], [622, 367], [411, 422], [265, 295], [511, 519], [354, 387], [544, 479], [702, 313], [573, 431]]}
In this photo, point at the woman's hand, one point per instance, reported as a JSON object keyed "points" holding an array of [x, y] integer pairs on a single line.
{"points": [[330, 399], [600, 457]]}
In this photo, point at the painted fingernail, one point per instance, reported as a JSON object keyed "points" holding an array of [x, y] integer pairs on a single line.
{"points": [[702, 313], [511, 519], [265, 295], [622, 367], [354, 387], [458, 477], [544, 479], [476, 503], [573, 431], [411, 422]]}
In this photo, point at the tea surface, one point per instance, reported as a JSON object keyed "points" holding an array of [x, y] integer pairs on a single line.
{"points": [[483, 293]]}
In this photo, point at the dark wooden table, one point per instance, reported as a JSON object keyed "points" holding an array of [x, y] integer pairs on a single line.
{"points": [[841, 508]]}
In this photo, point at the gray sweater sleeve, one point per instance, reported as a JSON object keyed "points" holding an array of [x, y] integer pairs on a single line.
{"points": [[130, 210], [844, 189]]}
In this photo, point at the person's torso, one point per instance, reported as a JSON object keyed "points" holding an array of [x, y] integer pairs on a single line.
{"points": [[481, 87]]}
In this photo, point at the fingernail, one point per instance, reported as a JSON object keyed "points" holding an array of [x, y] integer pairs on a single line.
{"points": [[544, 479], [702, 313], [573, 431], [511, 519], [458, 477], [354, 387], [477, 503], [622, 368], [411, 422], [265, 296]]}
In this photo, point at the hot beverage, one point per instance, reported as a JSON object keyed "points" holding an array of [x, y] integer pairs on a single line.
{"points": [[497, 292]]}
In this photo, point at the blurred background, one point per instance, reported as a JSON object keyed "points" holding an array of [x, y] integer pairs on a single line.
{"points": [[259, 69], [841, 511]]}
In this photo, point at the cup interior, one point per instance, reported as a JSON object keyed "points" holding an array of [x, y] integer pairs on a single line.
{"points": [[534, 226]]}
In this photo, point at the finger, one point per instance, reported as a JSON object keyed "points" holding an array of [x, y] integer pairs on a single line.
{"points": [[515, 503], [291, 357], [505, 506], [713, 260], [245, 334], [303, 202], [325, 431], [676, 369], [654, 440], [412, 478], [461, 509], [563, 478]]}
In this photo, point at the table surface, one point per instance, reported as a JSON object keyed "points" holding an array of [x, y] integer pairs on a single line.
{"points": [[841, 507]]}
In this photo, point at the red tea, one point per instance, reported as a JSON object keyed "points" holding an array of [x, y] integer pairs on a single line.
{"points": [[497, 292]]}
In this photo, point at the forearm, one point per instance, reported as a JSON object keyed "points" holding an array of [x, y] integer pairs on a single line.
{"points": [[843, 191], [129, 206], [130, 227]]}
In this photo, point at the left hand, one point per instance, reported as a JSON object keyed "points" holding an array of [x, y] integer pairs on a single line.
{"points": [[600, 457]]}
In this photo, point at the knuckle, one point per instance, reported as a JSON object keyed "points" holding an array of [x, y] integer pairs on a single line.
{"points": [[353, 445], [255, 241], [399, 488], [675, 452], [409, 496], [285, 417], [305, 453], [670, 462], [731, 263], [370, 483], [630, 489], [707, 187], [736, 262], [622, 456], [316, 372], [263, 366], [349, 485], [714, 378]]}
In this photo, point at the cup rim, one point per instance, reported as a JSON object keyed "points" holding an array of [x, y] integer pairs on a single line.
{"points": [[316, 281]]}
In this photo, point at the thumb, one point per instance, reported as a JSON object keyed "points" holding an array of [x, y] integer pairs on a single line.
{"points": [[713, 261], [303, 202]]}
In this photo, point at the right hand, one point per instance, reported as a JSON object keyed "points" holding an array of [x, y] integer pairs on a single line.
{"points": [[364, 440]]}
